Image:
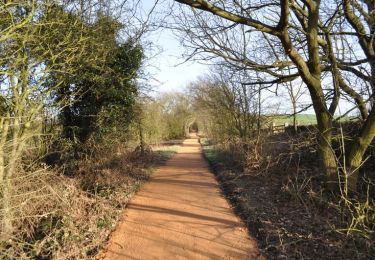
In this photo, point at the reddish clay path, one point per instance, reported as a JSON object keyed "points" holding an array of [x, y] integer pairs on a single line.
{"points": [[181, 214]]}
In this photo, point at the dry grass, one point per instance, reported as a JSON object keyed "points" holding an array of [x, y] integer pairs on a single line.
{"points": [[277, 189], [61, 217]]}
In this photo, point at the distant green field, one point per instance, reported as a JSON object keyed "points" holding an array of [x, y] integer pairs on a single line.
{"points": [[303, 119]]}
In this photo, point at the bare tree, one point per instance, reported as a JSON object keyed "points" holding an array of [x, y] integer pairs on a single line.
{"points": [[313, 36], [364, 30], [228, 107]]}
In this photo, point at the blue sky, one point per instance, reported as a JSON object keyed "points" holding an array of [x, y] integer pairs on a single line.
{"points": [[170, 75], [167, 70]]}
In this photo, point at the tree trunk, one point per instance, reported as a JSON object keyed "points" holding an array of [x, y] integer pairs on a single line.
{"points": [[328, 160], [7, 225], [327, 155], [358, 149], [64, 95], [141, 138], [367, 132], [295, 126], [17, 146], [259, 114]]}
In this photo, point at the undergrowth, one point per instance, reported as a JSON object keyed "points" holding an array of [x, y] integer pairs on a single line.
{"points": [[276, 187], [66, 216]]}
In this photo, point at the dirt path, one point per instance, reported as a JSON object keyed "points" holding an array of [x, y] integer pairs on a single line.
{"points": [[181, 214]]}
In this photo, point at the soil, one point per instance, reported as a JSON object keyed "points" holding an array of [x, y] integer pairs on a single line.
{"points": [[181, 214], [286, 228]]}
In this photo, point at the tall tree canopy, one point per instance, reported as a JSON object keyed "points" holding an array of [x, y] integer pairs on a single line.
{"points": [[312, 40]]}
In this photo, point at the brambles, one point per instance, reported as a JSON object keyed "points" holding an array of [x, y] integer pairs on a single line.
{"points": [[62, 217]]}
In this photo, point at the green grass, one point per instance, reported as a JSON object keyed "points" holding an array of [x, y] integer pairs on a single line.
{"points": [[208, 150], [204, 141], [303, 119], [210, 153], [164, 153]]}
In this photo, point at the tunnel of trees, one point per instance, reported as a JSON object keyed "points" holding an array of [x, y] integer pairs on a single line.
{"points": [[79, 123]]}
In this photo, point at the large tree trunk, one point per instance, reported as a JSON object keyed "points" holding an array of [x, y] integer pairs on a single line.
{"points": [[328, 160], [367, 132], [358, 149], [312, 76]]}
